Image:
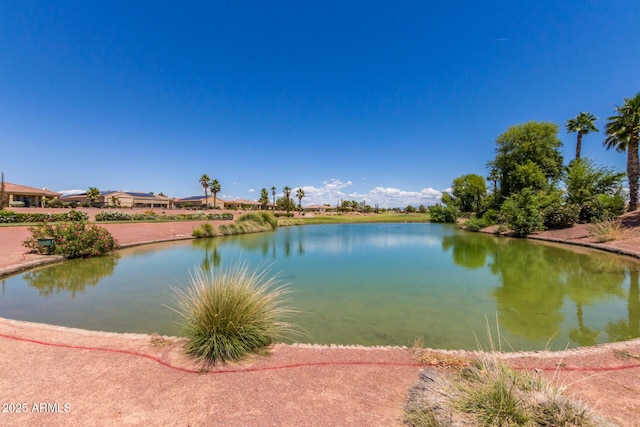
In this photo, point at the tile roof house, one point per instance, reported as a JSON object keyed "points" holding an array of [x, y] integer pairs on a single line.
{"points": [[16, 195], [125, 199], [242, 204], [198, 201]]}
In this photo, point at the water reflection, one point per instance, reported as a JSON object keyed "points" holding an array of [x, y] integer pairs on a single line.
{"points": [[628, 328], [71, 276], [363, 284], [537, 280], [212, 257]]}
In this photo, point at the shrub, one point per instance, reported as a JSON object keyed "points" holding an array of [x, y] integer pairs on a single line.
{"points": [[218, 217], [7, 217], [441, 213], [230, 313], [73, 240], [522, 212], [113, 216], [475, 224], [558, 215], [30, 217]]}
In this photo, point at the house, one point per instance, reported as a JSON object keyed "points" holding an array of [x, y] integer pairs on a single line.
{"points": [[320, 208], [16, 195], [242, 204], [198, 202], [124, 199]]}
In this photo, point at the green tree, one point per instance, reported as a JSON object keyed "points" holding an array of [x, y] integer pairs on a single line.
{"points": [[93, 194], [215, 189], [287, 196], [300, 196], [468, 191], [583, 124], [204, 181], [522, 212], [264, 198], [622, 131], [536, 142], [584, 181]]}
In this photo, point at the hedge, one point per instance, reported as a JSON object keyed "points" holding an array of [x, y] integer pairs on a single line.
{"points": [[125, 216], [9, 217]]}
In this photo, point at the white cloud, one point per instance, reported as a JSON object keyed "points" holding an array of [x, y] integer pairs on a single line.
{"points": [[334, 190], [251, 190], [394, 197]]}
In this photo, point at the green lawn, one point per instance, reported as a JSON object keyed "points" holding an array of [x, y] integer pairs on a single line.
{"points": [[346, 219]]}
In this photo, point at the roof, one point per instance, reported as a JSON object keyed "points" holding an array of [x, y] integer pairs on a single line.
{"points": [[243, 202], [191, 198], [23, 189]]}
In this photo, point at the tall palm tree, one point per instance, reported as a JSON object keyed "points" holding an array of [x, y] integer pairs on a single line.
{"points": [[273, 193], [494, 176], [583, 124], [264, 198], [287, 197], [623, 130], [204, 181], [300, 195], [215, 189]]}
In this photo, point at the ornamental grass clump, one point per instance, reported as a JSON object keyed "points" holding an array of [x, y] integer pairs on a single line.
{"points": [[231, 312], [205, 230], [607, 231]]}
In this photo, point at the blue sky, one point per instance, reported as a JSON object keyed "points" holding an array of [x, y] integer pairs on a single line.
{"points": [[380, 101]]}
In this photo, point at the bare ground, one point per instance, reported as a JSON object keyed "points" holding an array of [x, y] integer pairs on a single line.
{"points": [[63, 376]]}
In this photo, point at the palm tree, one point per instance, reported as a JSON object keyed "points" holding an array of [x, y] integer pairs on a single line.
{"points": [[287, 197], [583, 123], [93, 194], [300, 195], [623, 130], [273, 193], [204, 181], [264, 198], [215, 189], [494, 176]]}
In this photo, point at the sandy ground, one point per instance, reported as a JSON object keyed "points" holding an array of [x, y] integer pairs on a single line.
{"points": [[52, 375]]}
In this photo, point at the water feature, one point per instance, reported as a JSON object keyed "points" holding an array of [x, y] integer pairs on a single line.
{"points": [[369, 284]]}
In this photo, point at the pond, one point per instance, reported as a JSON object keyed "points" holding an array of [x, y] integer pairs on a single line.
{"points": [[367, 284]]}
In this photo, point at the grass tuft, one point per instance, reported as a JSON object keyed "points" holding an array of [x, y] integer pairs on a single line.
{"points": [[230, 313], [607, 231], [205, 230]]}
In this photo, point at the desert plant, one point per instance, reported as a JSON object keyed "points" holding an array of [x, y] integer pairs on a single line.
{"points": [[232, 312], [488, 393], [261, 218], [205, 230], [73, 240], [607, 231]]}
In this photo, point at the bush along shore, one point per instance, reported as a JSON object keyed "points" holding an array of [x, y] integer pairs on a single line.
{"points": [[248, 223]]}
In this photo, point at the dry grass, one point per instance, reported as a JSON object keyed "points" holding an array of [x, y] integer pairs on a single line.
{"points": [[607, 231]]}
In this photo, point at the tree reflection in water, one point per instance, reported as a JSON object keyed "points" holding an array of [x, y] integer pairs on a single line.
{"points": [[71, 276], [537, 279]]}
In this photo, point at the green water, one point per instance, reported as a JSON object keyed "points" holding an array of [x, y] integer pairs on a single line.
{"points": [[369, 284]]}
